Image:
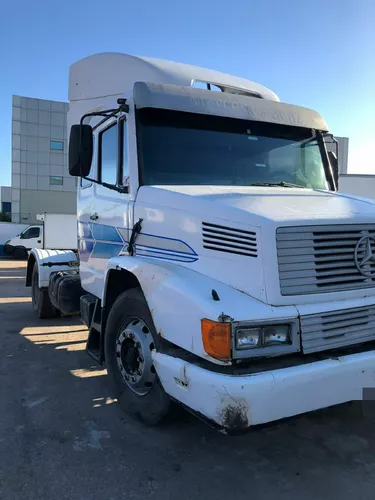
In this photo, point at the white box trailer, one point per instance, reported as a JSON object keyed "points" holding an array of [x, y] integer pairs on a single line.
{"points": [[361, 185], [59, 231], [55, 231]]}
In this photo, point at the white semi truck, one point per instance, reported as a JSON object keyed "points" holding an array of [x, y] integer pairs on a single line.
{"points": [[217, 265]]}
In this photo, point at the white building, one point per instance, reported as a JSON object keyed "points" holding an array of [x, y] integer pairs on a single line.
{"points": [[40, 177]]}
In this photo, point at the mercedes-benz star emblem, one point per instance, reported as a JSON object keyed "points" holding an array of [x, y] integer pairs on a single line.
{"points": [[364, 256]]}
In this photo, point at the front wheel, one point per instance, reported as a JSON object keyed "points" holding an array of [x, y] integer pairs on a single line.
{"points": [[20, 253], [129, 340]]}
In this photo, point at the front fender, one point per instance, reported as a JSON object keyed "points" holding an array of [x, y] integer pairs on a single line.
{"points": [[49, 261], [179, 298]]}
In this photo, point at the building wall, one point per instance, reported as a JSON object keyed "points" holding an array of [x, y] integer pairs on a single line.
{"points": [[39, 159], [6, 199], [50, 201]]}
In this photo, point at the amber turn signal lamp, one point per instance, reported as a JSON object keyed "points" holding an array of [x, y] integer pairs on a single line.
{"points": [[216, 339]]}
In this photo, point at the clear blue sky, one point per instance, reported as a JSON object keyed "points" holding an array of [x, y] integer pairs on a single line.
{"points": [[319, 54]]}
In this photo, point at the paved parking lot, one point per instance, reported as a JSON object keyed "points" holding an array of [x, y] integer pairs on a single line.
{"points": [[62, 436]]}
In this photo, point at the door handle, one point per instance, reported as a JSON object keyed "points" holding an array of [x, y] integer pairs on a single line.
{"points": [[39, 241], [94, 217]]}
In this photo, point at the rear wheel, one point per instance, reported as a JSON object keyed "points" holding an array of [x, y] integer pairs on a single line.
{"points": [[129, 340], [40, 300]]}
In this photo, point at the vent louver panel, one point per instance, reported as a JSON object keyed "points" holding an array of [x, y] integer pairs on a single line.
{"points": [[229, 240]]}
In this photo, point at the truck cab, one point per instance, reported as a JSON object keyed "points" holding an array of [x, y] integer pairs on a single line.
{"points": [[217, 265]]}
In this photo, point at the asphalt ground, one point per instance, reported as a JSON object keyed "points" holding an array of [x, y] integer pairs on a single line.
{"points": [[63, 436]]}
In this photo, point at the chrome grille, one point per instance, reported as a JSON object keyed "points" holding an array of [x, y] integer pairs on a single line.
{"points": [[229, 240], [316, 259], [336, 329]]}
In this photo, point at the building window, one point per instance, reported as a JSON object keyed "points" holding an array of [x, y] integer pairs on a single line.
{"points": [[56, 181], [6, 207], [57, 145]]}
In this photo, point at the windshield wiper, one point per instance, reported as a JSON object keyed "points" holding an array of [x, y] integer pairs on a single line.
{"points": [[278, 184]]}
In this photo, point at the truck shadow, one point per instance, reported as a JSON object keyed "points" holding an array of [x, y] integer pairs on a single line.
{"points": [[61, 397]]}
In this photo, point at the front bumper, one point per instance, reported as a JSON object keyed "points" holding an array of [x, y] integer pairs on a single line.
{"points": [[8, 249], [235, 403]]}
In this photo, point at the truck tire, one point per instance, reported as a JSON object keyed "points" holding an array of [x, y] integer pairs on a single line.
{"points": [[40, 300], [130, 337]]}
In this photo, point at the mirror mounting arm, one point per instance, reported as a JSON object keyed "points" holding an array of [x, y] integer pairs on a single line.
{"points": [[119, 189], [108, 113]]}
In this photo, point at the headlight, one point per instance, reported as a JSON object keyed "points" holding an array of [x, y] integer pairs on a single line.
{"points": [[251, 337], [276, 335], [248, 337]]}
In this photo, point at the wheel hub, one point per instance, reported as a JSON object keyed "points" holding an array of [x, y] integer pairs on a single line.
{"points": [[133, 354], [131, 358]]}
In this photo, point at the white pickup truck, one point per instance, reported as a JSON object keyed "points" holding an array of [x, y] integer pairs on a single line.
{"points": [[55, 231], [217, 265]]}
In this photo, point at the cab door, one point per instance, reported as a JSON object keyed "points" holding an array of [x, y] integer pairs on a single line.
{"points": [[103, 218]]}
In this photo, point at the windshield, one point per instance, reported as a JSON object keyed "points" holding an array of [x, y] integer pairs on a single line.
{"points": [[190, 149]]}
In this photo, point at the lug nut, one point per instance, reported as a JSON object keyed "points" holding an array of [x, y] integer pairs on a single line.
{"points": [[139, 372], [140, 359], [133, 379]]}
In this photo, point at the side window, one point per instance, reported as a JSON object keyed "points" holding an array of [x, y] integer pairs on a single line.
{"points": [[124, 158], [32, 232], [108, 154], [84, 182]]}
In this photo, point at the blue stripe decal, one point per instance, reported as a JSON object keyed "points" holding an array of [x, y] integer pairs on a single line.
{"points": [[165, 258], [102, 232], [104, 242], [155, 252], [106, 250], [170, 256], [188, 251]]}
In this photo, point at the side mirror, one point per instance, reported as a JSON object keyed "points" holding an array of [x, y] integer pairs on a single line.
{"points": [[80, 150], [335, 166]]}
